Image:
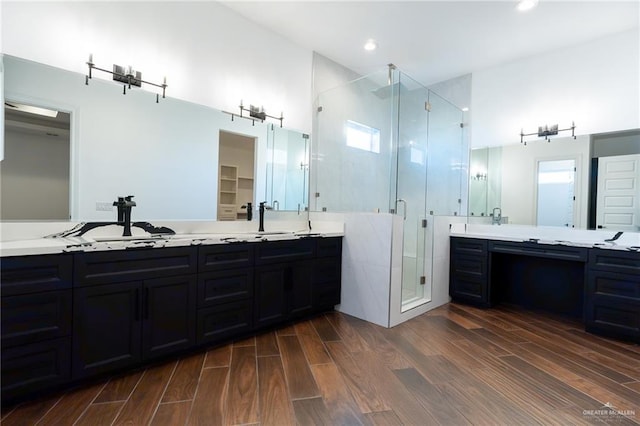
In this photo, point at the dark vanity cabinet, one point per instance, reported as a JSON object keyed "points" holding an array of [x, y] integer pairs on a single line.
{"points": [[132, 305], [69, 317], [598, 286], [295, 278], [225, 291], [283, 280], [613, 293], [468, 271], [327, 271], [36, 323]]}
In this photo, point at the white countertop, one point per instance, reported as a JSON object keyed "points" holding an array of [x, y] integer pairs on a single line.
{"points": [[87, 244], [548, 235], [19, 239]]}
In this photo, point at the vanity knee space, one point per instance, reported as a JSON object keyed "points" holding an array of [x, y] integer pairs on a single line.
{"points": [[600, 287]]}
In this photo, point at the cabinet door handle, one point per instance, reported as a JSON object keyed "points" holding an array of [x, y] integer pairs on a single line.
{"points": [[137, 303], [146, 303]]}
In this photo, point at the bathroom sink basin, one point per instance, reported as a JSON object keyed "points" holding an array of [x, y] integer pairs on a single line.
{"points": [[272, 233], [130, 238]]}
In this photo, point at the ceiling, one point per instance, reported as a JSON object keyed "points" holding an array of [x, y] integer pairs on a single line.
{"points": [[433, 41]]}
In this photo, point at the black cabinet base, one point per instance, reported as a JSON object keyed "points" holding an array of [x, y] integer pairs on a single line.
{"points": [[84, 317], [35, 367], [42, 370]]}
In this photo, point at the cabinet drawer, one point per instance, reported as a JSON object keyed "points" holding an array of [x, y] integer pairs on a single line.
{"points": [[613, 284], [284, 251], [469, 266], [227, 212], [221, 321], [35, 367], [469, 246], [224, 286], [469, 290], [549, 251], [128, 265], [328, 269], [32, 274], [615, 261], [614, 317], [29, 318], [329, 247], [224, 256]]}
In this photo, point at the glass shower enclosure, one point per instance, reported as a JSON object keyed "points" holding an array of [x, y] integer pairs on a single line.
{"points": [[287, 169], [385, 143]]}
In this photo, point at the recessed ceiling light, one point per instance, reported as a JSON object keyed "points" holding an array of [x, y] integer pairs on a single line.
{"points": [[465, 109], [370, 45], [31, 109], [524, 5]]}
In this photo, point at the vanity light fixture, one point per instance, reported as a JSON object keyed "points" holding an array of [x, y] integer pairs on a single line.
{"points": [[525, 5], [370, 45], [128, 76], [255, 113], [547, 131], [478, 175]]}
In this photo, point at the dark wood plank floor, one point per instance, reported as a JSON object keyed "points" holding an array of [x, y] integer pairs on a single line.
{"points": [[455, 365]]}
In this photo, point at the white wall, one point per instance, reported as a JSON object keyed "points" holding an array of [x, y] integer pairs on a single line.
{"points": [[519, 177], [595, 84], [210, 54]]}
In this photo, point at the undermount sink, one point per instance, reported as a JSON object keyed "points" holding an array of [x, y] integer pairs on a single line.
{"points": [[272, 232], [131, 238]]}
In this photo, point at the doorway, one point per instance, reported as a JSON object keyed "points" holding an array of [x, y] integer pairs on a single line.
{"points": [[35, 172], [236, 175], [556, 180]]}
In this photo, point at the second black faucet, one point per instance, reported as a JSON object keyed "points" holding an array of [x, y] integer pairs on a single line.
{"points": [[124, 205]]}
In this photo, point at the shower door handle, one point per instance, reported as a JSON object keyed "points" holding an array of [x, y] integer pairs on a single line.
{"points": [[404, 211]]}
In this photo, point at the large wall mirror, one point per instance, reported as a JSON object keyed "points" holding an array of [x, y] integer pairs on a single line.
{"points": [[106, 144], [591, 182]]}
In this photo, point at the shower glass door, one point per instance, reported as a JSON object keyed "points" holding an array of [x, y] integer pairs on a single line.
{"points": [[410, 197]]}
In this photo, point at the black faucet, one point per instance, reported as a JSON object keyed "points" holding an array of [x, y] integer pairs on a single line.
{"points": [[249, 208], [261, 211], [124, 205]]}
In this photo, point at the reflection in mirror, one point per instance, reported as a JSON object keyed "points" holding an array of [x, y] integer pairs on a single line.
{"points": [[34, 174], [485, 181], [235, 177], [165, 154], [287, 169], [556, 189], [507, 177], [618, 194]]}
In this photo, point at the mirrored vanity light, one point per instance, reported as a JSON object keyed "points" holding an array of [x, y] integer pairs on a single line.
{"points": [[129, 76]]}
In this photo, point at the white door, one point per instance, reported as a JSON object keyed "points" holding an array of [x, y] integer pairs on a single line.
{"points": [[617, 204]]}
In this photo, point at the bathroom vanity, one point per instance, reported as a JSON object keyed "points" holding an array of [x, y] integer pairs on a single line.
{"points": [[599, 285], [71, 316]]}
